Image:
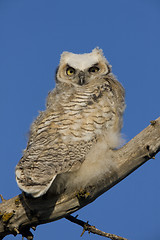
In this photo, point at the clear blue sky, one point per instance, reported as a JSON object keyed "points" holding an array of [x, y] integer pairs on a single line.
{"points": [[33, 34]]}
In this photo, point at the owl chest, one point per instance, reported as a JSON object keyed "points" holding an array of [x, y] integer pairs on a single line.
{"points": [[86, 117]]}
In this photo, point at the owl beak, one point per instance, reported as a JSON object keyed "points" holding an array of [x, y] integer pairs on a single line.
{"points": [[81, 76]]}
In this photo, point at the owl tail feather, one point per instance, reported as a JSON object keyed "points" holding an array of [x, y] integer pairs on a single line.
{"points": [[33, 189]]}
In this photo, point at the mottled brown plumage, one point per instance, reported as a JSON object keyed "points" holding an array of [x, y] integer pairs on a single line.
{"points": [[84, 114]]}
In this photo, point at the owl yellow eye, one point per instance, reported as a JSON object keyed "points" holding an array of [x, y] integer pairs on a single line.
{"points": [[70, 71], [93, 69]]}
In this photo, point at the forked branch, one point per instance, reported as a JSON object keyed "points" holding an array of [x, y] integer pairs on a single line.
{"points": [[18, 215]]}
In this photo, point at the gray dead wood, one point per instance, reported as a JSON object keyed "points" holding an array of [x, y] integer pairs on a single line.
{"points": [[18, 214]]}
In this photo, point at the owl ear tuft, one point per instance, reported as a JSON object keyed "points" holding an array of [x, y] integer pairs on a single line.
{"points": [[64, 54], [98, 50]]}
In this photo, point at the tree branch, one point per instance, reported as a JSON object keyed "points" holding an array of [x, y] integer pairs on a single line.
{"points": [[92, 229], [19, 214]]}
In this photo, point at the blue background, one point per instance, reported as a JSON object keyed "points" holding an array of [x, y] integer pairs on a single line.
{"points": [[33, 34]]}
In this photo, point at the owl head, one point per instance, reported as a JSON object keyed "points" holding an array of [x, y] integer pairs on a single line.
{"points": [[80, 69]]}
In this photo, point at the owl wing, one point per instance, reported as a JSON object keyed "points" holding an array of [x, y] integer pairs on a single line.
{"points": [[48, 153]]}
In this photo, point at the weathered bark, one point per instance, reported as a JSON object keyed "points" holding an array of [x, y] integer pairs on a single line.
{"points": [[18, 214]]}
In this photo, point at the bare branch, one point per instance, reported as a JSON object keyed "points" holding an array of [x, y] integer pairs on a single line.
{"points": [[93, 229], [19, 214]]}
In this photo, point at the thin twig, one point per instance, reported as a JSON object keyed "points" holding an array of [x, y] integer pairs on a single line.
{"points": [[2, 198], [92, 229]]}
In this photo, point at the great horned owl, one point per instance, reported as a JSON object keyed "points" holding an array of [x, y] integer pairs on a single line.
{"points": [[69, 142]]}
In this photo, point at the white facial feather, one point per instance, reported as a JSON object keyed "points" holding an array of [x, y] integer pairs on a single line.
{"points": [[83, 61]]}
